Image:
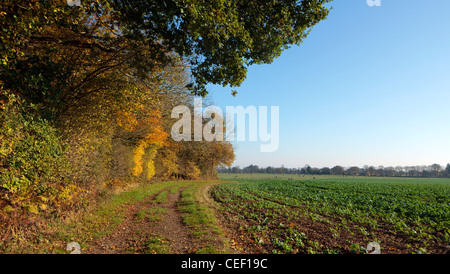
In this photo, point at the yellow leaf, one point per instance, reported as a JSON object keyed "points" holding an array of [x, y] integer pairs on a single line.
{"points": [[7, 208], [33, 209]]}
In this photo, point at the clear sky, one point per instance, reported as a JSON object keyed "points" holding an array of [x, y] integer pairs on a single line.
{"points": [[368, 86]]}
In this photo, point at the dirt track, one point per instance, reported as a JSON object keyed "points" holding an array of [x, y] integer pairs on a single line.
{"points": [[167, 229], [132, 235]]}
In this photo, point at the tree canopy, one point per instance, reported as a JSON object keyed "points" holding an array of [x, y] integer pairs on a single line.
{"points": [[219, 38]]}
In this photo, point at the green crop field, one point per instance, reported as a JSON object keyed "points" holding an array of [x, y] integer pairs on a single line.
{"points": [[335, 214]]}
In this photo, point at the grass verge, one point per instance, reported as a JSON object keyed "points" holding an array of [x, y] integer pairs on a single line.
{"points": [[200, 218]]}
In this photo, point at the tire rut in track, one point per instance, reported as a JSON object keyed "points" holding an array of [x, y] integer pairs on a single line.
{"points": [[131, 235], [171, 227]]}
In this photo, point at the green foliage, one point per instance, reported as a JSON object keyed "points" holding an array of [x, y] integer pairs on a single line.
{"points": [[20, 21], [363, 206], [152, 214], [157, 245], [220, 39], [32, 155], [196, 215]]}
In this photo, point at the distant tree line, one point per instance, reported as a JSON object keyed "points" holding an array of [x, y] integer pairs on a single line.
{"points": [[434, 170]]}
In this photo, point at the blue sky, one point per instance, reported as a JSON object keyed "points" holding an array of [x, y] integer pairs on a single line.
{"points": [[368, 86]]}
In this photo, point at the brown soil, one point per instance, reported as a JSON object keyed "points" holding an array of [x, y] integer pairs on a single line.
{"points": [[172, 227], [133, 233], [318, 231]]}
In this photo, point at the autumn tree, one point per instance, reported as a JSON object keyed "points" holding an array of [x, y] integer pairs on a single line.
{"points": [[86, 92], [86, 68]]}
